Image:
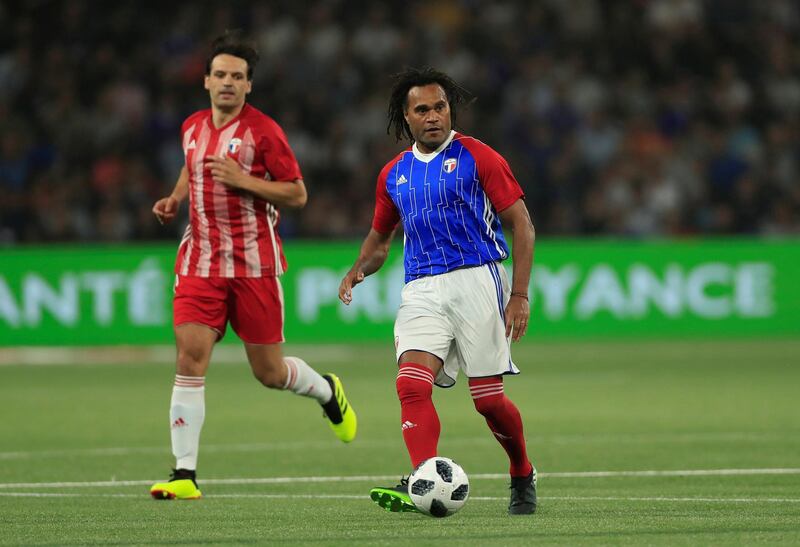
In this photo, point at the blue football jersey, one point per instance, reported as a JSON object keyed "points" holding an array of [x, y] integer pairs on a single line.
{"points": [[448, 202]]}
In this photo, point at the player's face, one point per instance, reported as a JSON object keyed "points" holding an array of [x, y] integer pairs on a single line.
{"points": [[428, 116], [227, 83]]}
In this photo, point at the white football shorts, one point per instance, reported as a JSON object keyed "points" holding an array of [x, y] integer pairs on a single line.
{"points": [[458, 316]]}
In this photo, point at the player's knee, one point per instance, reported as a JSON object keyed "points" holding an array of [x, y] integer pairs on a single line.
{"points": [[411, 390], [191, 361], [269, 378], [487, 394], [270, 371], [490, 404]]}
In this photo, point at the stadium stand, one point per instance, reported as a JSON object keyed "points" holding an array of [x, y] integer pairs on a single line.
{"points": [[639, 118]]}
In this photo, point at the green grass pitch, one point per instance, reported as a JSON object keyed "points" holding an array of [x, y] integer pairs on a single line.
{"points": [[657, 443]]}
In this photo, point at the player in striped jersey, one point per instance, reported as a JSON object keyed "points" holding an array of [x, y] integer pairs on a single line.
{"points": [[239, 170], [458, 310]]}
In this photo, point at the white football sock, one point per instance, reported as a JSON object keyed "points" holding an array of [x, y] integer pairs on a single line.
{"points": [[305, 381], [186, 414]]}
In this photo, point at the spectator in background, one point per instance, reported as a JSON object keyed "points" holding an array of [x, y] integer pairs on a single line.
{"points": [[565, 88]]}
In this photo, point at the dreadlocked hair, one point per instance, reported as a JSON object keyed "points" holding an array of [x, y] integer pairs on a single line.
{"points": [[414, 77]]}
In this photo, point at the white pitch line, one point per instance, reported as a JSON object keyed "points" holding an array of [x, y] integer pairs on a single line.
{"points": [[675, 473], [380, 478], [364, 497], [720, 500], [232, 481], [48, 495]]}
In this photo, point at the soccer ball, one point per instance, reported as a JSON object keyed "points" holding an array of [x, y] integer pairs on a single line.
{"points": [[438, 487]]}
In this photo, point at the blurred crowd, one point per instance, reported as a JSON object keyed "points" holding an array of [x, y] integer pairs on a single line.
{"points": [[635, 118]]}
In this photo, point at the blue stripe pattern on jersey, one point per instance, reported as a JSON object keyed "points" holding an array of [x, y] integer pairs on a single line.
{"points": [[448, 220], [498, 289], [498, 286]]}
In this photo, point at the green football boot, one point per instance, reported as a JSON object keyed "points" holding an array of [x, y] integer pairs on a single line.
{"points": [[394, 499], [181, 486], [340, 414]]}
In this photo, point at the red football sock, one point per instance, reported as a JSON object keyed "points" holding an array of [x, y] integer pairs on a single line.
{"points": [[503, 419], [420, 422]]}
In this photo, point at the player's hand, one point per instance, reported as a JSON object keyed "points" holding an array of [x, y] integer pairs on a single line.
{"points": [[165, 209], [517, 313], [225, 170], [353, 278]]}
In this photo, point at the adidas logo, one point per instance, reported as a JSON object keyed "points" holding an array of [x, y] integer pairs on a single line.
{"points": [[402, 180], [192, 145], [501, 436], [408, 425], [179, 423]]}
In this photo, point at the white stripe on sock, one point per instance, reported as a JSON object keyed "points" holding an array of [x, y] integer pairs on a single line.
{"points": [[488, 394], [482, 389], [413, 371], [304, 380], [420, 377]]}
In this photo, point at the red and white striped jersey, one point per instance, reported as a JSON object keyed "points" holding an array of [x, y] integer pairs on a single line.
{"points": [[233, 233]]}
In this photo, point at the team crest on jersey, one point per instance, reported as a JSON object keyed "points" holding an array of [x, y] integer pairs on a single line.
{"points": [[234, 145], [450, 165]]}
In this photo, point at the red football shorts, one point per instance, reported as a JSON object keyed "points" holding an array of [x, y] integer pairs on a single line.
{"points": [[253, 305]]}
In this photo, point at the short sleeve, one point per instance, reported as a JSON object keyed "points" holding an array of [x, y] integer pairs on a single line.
{"points": [[495, 175], [279, 159], [386, 216]]}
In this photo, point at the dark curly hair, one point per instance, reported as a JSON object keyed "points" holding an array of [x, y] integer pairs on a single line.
{"points": [[234, 42], [413, 77]]}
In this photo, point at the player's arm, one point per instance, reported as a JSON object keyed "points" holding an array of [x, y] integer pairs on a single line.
{"points": [[166, 208], [506, 196], [375, 247], [227, 171], [374, 251], [518, 221]]}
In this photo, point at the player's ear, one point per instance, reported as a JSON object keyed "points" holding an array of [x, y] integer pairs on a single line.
{"points": [[249, 87], [205, 81]]}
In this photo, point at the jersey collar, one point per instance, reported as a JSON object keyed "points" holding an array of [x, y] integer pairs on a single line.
{"points": [[428, 157], [229, 122]]}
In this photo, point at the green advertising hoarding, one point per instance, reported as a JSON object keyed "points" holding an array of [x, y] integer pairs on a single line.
{"points": [[94, 295]]}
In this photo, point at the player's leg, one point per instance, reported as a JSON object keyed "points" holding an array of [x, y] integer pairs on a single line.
{"points": [[257, 317], [422, 341], [420, 421], [504, 420], [187, 405], [485, 353], [199, 317], [187, 410], [293, 374]]}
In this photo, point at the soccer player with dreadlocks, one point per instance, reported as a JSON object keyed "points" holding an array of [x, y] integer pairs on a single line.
{"points": [[459, 311]]}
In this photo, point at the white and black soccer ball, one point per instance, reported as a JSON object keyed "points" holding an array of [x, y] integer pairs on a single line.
{"points": [[439, 487]]}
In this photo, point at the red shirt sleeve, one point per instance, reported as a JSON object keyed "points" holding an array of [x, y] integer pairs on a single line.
{"points": [[386, 216], [495, 175], [193, 120], [278, 157]]}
